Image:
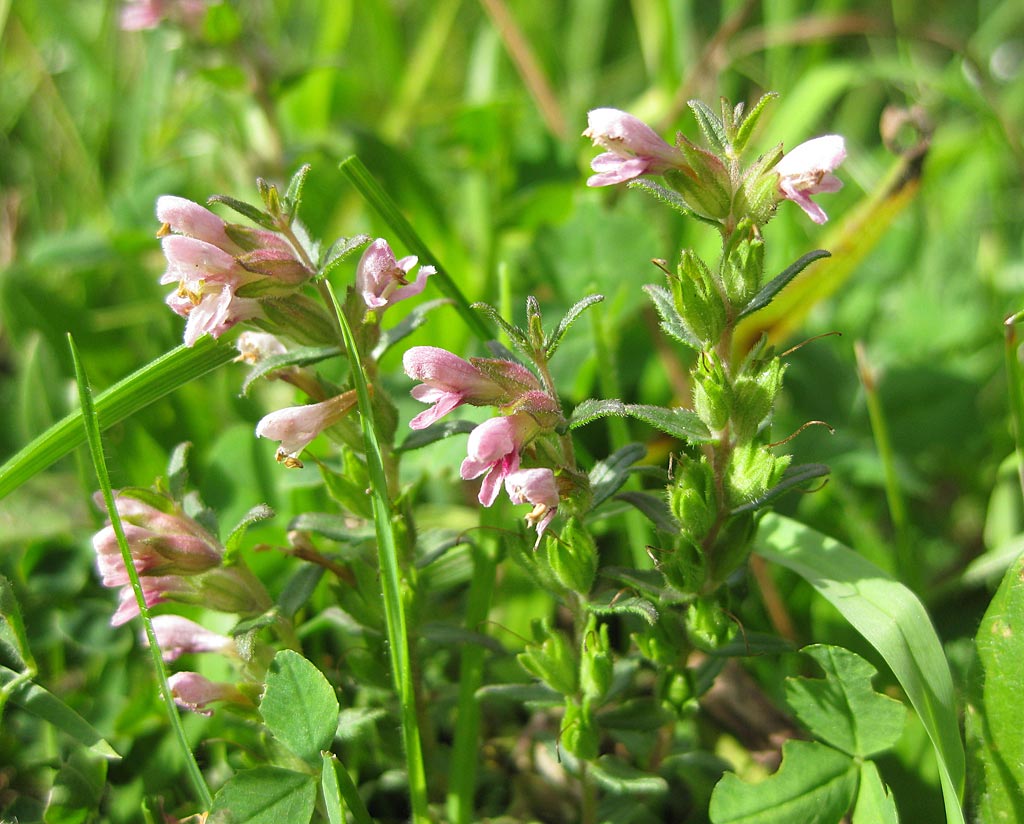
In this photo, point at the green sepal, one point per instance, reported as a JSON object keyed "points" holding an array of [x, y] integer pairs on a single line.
{"points": [[708, 626], [579, 732], [754, 397], [596, 664], [697, 299], [712, 392], [692, 497], [299, 318], [758, 193], [743, 269], [551, 659], [572, 557], [704, 184], [752, 471]]}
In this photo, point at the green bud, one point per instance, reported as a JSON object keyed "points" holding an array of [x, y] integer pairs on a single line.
{"points": [[684, 570], [712, 393], [752, 471], [595, 661], [579, 734], [697, 299], [572, 557], [300, 319], [677, 690], [704, 183], [551, 659], [754, 397], [708, 626], [732, 546], [744, 263], [758, 192], [692, 497]]}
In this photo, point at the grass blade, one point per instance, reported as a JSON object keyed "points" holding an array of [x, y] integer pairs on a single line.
{"points": [[127, 396], [90, 420], [893, 621]]}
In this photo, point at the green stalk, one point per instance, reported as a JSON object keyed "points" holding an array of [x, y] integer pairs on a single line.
{"points": [[90, 419], [381, 201], [1015, 389], [387, 553], [465, 749], [893, 493]]}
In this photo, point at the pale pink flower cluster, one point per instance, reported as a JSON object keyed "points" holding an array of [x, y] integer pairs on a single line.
{"points": [[211, 261], [496, 446]]}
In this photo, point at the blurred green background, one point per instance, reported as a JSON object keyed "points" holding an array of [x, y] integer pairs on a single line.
{"points": [[470, 114]]}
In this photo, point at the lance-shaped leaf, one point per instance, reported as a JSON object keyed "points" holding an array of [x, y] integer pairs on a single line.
{"points": [[711, 125], [746, 128], [435, 432], [257, 216], [679, 423], [794, 476], [551, 344], [612, 604], [608, 476], [340, 251], [518, 337], [671, 321], [654, 507], [409, 324], [303, 356], [293, 195], [776, 284]]}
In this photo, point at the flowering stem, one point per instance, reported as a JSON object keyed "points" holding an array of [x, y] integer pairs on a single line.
{"points": [[92, 431], [387, 553]]}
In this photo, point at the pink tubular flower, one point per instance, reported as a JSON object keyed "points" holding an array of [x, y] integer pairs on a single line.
{"points": [[193, 691], [212, 312], [155, 590], [147, 14], [188, 218], [192, 262], [255, 347], [633, 148], [176, 636], [449, 381], [381, 280], [296, 426], [493, 447], [537, 487], [807, 170]]}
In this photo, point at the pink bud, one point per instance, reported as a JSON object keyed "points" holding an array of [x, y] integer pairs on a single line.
{"points": [[381, 280], [193, 691], [537, 487], [176, 636], [188, 218], [296, 426], [634, 148], [493, 447], [448, 382], [807, 170]]}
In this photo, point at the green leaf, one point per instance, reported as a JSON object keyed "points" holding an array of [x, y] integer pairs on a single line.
{"points": [[672, 322], [608, 476], [260, 512], [669, 197], [712, 127], [843, 710], [892, 620], [77, 789], [299, 706], [265, 795], [612, 604], [620, 778], [680, 423], [654, 507], [814, 785], [36, 700], [293, 196], [875, 804], [746, 128], [516, 336], [435, 432], [336, 784], [14, 649], [303, 356], [777, 283], [340, 251], [409, 324], [257, 216], [356, 722], [578, 308], [138, 390], [299, 589], [993, 715], [793, 476]]}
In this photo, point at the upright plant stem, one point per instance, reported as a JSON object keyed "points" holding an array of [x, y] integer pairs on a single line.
{"points": [[1015, 389], [387, 553], [92, 431]]}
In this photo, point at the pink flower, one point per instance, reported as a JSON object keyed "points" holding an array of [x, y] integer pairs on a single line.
{"points": [[381, 280], [255, 347], [449, 381], [188, 218], [147, 14], [192, 262], [493, 447], [537, 487], [193, 691], [296, 426], [212, 313], [807, 170], [634, 148], [176, 636], [155, 590]]}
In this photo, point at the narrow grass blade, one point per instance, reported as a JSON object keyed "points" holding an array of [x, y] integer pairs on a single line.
{"points": [[1015, 388], [138, 390], [375, 195], [390, 573], [893, 621], [91, 422]]}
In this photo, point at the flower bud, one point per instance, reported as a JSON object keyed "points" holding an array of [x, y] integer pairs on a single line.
{"points": [[703, 182], [744, 264], [579, 732], [572, 557], [692, 497], [708, 626], [551, 659], [754, 396], [712, 394], [696, 298], [177, 636], [752, 471], [596, 663]]}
